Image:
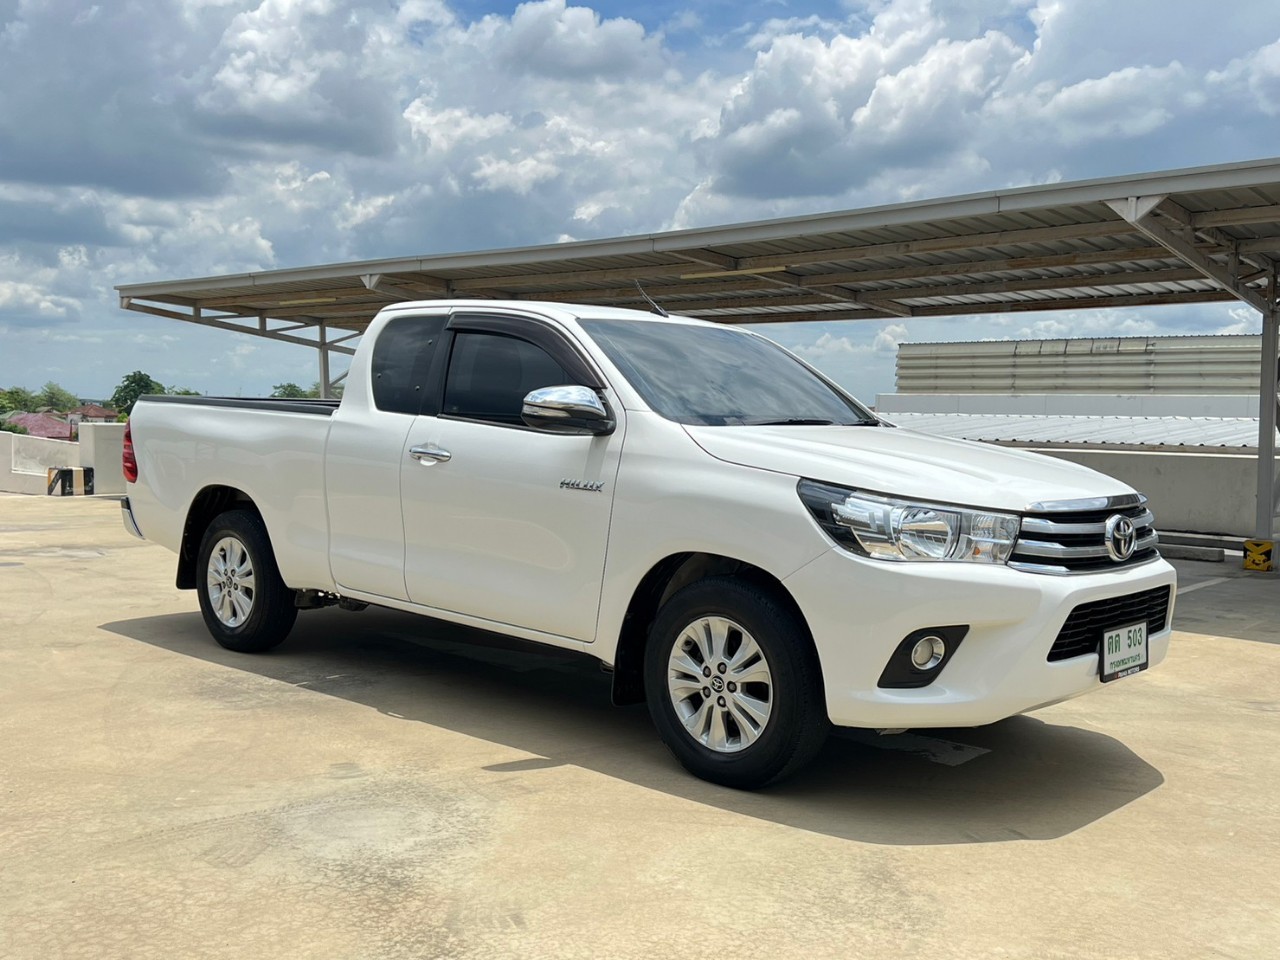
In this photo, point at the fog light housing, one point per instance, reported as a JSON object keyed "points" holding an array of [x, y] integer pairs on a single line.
{"points": [[920, 657], [928, 652]]}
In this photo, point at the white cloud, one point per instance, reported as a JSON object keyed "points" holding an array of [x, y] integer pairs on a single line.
{"points": [[828, 345], [34, 299], [1243, 320], [889, 337], [1259, 73], [445, 129], [242, 135], [1127, 103], [520, 174]]}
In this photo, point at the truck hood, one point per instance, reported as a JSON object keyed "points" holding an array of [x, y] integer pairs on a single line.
{"points": [[906, 463]]}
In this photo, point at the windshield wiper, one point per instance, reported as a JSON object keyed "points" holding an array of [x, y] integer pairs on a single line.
{"points": [[791, 422]]}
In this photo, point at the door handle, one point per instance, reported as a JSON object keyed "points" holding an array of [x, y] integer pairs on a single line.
{"points": [[428, 455]]}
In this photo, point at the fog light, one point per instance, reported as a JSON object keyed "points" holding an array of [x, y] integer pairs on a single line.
{"points": [[921, 656], [928, 653]]}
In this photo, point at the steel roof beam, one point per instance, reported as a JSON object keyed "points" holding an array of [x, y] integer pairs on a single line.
{"points": [[961, 310], [1122, 278], [739, 303], [129, 303], [886, 306], [993, 265], [747, 265], [728, 284], [519, 283], [1240, 216], [969, 241], [262, 300], [776, 276], [599, 294], [417, 282], [1141, 213]]}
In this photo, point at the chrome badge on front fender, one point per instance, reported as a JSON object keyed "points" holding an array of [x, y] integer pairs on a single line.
{"points": [[592, 486]]}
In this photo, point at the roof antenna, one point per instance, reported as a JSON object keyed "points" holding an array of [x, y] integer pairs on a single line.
{"points": [[649, 300]]}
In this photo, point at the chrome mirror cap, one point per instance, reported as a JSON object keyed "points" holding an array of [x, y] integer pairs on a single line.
{"points": [[567, 409]]}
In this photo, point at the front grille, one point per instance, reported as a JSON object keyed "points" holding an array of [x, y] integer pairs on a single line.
{"points": [[1082, 633], [1070, 536]]}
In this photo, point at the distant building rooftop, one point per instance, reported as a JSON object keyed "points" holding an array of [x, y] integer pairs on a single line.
{"points": [[41, 425], [1206, 434], [1176, 365], [93, 411]]}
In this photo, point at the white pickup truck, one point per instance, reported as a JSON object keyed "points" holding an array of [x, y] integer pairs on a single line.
{"points": [[746, 547]]}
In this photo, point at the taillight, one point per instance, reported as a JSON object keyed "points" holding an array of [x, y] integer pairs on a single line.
{"points": [[130, 461]]}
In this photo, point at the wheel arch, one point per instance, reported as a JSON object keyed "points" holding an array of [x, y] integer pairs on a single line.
{"points": [[207, 504], [663, 579]]}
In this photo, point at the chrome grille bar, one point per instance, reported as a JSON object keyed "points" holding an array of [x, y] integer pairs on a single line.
{"points": [[1076, 543]]}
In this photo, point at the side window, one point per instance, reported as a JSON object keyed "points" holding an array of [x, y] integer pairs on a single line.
{"points": [[489, 375], [401, 360]]}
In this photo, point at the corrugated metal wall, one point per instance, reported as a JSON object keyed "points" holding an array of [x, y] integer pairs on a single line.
{"points": [[1128, 365]]}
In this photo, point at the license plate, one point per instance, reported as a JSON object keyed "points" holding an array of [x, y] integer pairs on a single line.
{"points": [[1124, 651]]}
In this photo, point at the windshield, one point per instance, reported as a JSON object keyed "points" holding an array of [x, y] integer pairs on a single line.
{"points": [[719, 376]]}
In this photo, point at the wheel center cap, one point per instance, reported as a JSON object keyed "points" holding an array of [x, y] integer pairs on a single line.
{"points": [[717, 684]]}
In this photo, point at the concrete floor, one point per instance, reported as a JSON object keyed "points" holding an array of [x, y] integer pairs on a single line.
{"points": [[381, 788]]}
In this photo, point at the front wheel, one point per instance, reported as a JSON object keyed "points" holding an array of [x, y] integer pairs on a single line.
{"points": [[733, 684], [245, 604]]}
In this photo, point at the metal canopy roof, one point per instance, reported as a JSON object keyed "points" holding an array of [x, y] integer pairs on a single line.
{"points": [[1189, 236], [1183, 236]]}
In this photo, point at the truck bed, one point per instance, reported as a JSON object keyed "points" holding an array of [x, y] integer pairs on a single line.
{"points": [[269, 451], [323, 408]]}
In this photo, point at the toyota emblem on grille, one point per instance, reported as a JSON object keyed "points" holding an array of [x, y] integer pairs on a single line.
{"points": [[1121, 538]]}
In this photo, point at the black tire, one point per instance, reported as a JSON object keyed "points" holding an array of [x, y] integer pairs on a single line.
{"points": [[272, 612], [797, 724]]}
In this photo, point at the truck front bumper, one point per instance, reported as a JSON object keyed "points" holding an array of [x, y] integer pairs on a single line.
{"points": [[859, 611]]}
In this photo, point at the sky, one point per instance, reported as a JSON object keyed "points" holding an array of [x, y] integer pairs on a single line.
{"points": [[162, 139]]}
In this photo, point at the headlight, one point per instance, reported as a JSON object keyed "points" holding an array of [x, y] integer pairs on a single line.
{"points": [[886, 528]]}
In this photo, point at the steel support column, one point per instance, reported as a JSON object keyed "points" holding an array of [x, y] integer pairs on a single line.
{"points": [[1174, 229], [1267, 398], [326, 389]]}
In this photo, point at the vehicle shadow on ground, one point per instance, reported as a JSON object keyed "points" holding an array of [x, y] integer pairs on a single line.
{"points": [[1038, 781]]}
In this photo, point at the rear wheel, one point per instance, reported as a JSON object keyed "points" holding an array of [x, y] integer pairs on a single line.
{"points": [[245, 604], [733, 684]]}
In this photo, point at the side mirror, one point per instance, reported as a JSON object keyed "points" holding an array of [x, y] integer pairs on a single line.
{"points": [[567, 409]]}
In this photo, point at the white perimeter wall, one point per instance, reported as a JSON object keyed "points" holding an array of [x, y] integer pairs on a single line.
{"points": [[1197, 492], [24, 461], [102, 447], [1189, 492], [1071, 404]]}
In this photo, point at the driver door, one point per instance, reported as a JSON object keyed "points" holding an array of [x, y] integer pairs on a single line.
{"points": [[490, 529]]}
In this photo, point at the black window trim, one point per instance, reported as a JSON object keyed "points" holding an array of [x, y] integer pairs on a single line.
{"points": [[532, 330], [541, 334]]}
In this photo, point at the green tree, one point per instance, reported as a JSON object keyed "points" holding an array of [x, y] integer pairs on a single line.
{"points": [[131, 388], [183, 392], [17, 398], [335, 391], [290, 391], [52, 395], [12, 428]]}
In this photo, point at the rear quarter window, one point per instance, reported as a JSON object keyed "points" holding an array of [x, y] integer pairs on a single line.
{"points": [[401, 361]]}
